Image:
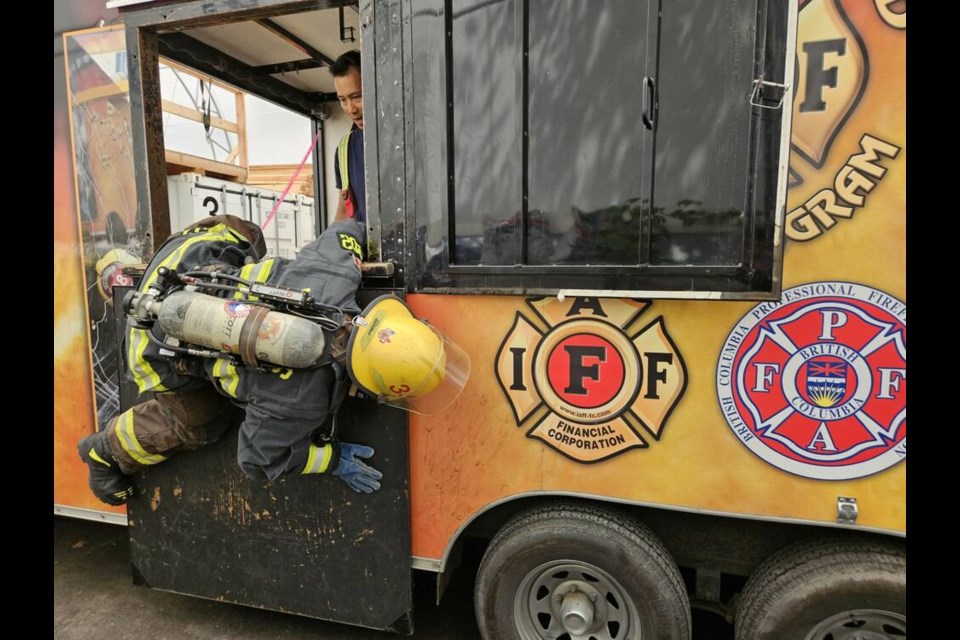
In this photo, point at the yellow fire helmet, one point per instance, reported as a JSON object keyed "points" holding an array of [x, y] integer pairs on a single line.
{"points": [[110, 272], [403, 361]]}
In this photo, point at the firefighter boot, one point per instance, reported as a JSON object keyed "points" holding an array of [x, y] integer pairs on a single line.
{"points": [[106, 479]]}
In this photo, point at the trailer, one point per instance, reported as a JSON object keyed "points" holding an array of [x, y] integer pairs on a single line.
{"points": [[669, 234]]}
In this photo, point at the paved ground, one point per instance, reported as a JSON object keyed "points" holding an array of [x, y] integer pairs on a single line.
{"points": [[94, 598]]}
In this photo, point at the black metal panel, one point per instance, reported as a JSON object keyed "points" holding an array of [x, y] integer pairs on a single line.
{"points": [[377, 218], [290, 67], [386, 180], [146, 131], [128, 388], [428, 149], [769, 239], [318, 126], [184, 15], [737, 255], [305, 544], [703, 134]]}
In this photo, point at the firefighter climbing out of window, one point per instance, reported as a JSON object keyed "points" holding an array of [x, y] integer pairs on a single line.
{"points": [[348, 162], [287, 398]]}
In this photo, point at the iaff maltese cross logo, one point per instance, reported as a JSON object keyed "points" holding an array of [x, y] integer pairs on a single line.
{"points": [[816, 384], [589, 377]]}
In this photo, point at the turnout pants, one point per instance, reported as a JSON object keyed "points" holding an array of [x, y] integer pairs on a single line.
{"points": [[151, 432]]}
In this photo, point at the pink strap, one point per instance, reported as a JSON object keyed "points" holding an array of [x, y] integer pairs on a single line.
{"points": [[294, 177]]}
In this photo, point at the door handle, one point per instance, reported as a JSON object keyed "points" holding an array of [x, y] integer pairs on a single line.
{"points": [[649, 102]]}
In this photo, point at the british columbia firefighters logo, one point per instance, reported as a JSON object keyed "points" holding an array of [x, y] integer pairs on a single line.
{"points": [[589, 377], [816, 383]]}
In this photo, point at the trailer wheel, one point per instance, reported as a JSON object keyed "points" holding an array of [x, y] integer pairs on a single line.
{"points": [[572, 571], [827, 590]]}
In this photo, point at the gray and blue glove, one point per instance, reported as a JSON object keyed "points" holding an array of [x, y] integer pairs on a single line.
{"points": [[358, 475]]}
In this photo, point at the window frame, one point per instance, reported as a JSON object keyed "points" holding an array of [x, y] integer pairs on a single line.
{"points": [[758, 278]]}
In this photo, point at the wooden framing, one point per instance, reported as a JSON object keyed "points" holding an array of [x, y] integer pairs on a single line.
{"points": [[179, 162], [277, 176], [235, 166], [196, 116]]}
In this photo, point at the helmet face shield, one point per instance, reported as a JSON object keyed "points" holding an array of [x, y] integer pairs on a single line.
{"points": [[449, 375], [403, 361]]}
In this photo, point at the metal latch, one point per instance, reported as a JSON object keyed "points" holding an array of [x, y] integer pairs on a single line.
{"points": [[846, 510], [765, 92]]}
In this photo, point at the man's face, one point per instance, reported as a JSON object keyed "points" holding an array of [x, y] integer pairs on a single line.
{"points": [[350, 94]]}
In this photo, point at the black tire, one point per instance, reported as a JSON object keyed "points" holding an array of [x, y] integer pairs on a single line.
{"points": [[543, 555], [824, 590]]}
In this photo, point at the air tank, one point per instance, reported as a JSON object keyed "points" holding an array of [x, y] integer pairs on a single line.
{"points": [[281, 339]]}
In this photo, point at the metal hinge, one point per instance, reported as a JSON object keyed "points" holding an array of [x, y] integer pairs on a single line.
{"points": [[765, 92]]}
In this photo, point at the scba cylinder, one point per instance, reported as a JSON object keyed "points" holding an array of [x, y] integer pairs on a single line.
{"points": [[232, 326]]}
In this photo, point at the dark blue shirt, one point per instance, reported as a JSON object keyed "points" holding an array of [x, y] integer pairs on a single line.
{"points": [[355, 167]]}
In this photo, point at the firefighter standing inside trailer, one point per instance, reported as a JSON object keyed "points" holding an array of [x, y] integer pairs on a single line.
{"points": [[348, 161]]}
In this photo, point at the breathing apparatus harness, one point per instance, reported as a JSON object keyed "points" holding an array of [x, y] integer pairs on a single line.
{"points": [[144, 308], [250, 329]]}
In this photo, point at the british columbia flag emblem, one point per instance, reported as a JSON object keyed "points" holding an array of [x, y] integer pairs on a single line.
{"points": [[826, 382]]}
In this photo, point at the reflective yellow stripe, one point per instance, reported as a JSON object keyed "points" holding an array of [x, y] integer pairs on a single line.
{"points": [[218, 232], [327, 454], [256, 272], [267, 269], [342, 150], [227, 377], [311, 460], [219, 368], [146, 377], [230, 380], [318, 459], [130, 444], [93, 454]]}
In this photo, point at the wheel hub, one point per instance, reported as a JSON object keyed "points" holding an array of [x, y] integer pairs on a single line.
{"points": [[576, 613], [579, 607], [863, 624], [574, 598]]}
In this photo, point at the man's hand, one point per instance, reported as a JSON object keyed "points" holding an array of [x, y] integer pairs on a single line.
{"points": [[358, 475]]}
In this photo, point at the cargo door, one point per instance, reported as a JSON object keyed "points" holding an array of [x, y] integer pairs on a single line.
{"points": [[303, 545]]}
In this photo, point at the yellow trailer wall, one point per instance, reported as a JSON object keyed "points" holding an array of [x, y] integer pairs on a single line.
{"points": [[846, 233]]}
